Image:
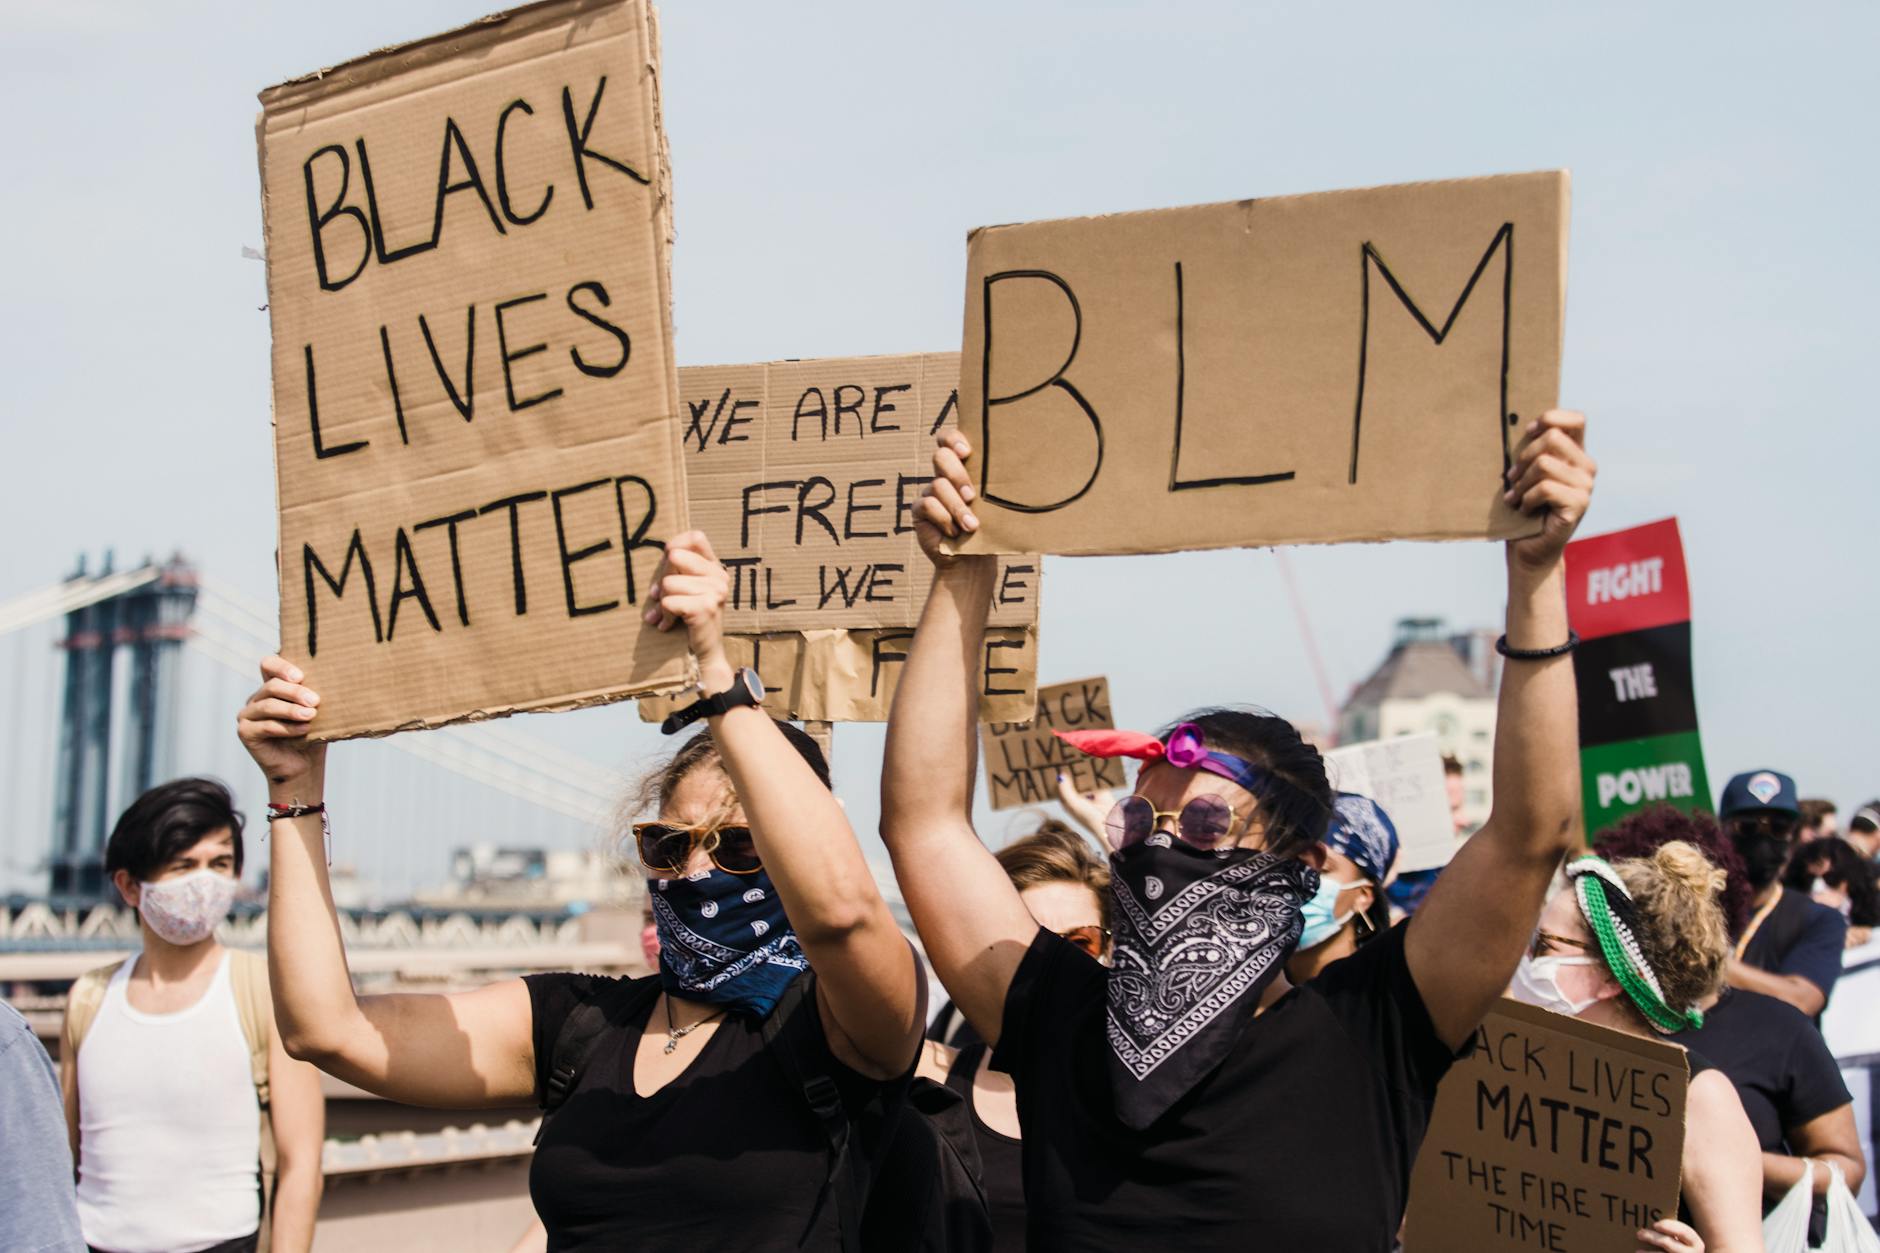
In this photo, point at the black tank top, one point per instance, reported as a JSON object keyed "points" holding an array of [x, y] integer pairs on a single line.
{"points": [[1001, 1164]]}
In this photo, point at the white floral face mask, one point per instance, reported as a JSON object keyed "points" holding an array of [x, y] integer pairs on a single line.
{"points": [[186, 909]]}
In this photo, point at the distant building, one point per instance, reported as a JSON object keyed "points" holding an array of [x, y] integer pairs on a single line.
{"points": [[1439, 682], [488, 877]]}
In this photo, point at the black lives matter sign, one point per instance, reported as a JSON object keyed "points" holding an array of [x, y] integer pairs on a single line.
{"points": [[1024, 759], [475, 401]]}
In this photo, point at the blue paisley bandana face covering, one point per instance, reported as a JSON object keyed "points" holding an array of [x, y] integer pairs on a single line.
{"points": [[723, 939], [1198, 938]]}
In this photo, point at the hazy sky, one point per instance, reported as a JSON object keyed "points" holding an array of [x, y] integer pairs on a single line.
{"points": [[829, 159]]}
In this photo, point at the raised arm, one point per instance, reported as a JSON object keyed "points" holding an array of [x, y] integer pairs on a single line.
{"points": [[1466, 940], [457, 1051], [297, 1113], [870, 990], [970, 917]]}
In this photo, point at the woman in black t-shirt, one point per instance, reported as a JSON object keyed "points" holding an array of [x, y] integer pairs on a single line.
{"points": [[782, 976], [1638, 945], [1185, 1097], [1066, 888]]}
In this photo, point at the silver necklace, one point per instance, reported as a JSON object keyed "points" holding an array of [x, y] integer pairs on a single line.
{"points": [[676, 1034]]}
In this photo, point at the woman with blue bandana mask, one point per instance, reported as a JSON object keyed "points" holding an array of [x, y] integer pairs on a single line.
{"points": [[736, 1099], [1189, 1096], [1349, 908]]}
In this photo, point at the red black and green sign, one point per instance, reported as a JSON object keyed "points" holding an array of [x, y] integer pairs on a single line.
{"points": [[1630, 601]]}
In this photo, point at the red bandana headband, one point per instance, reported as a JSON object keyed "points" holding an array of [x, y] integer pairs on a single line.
{"points": [[1183, 749]]}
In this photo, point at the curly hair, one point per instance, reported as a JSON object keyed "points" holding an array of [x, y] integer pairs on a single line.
{"points": [[1054, 853], [1642, 834], [1835, 861], [1676, 890]]}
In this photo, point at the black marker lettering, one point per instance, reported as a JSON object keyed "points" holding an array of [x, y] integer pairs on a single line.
{"points": [[502, 351], [733, 421], [738, 567], [903, 505], [620, 336], [848, 517], [883, 656], [820, 413], [1012, 585], [391, 381], [568, 559], [1175, 481], [310, 563], [632, 535], [513, 504], [403, 560], [806, 510], [853, 408], [320, 450], [473, 181], [317, 219], [465, 401], [946, 411], [758, 490], [874, 419], [1369, 257], [578, 142], [770, 592], [386, 257], [1057, 379], [449, 522], [694, 428], [986, 689], [502, 173]]}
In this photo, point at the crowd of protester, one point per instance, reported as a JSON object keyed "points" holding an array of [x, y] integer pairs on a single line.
{"points": [[1227, 1033]]}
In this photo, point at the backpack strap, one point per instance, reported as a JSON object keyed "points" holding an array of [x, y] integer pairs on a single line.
{"points": [[82, 1004], [254, 1007], [580, 1031], [808, 1071]]}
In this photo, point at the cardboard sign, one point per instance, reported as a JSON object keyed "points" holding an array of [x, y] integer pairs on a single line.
{"points": [[805, 475], [475, 404], [1404, 776], [850, 676], [1024, 759], [1629, 598], [1308, 369], [1554, 1134]]}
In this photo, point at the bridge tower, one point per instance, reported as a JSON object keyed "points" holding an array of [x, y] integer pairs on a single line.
{"points": [[122, 662]]}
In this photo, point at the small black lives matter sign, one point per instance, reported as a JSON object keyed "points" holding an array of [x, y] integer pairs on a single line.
{"points": [[1024, 759], [475, 401], [1554, 1135]]}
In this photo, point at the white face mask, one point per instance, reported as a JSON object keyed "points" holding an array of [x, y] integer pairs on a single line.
{"points": [[1536, 982], [186, 909]]}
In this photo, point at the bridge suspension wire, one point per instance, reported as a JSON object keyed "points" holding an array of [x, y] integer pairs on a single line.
{"points": [[63, 598]]}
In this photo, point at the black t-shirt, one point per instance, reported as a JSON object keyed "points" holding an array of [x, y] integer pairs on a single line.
{"points": [[1800, 937], [1303, 1138], [728, 1155], [1001, 1160], [1772, 1052]]}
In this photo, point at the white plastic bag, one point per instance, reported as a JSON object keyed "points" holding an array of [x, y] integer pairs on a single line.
{"points": [[1848, 1228], [1785, 1229]]}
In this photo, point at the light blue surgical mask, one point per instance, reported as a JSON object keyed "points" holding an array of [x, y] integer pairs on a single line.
{"points": [[1322, 919]]}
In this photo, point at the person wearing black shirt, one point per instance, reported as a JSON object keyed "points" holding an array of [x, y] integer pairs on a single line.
{"points": [[686, 1128], [1188, 1097], [1790, 1084], [1792, 948]]}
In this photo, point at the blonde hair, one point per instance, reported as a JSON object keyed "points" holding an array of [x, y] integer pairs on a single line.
{"points": [[1056, 854], [1681, 928]]}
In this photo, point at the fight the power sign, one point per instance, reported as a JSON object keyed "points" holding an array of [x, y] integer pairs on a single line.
{"points": [[475, 405], [1629, 599], [1357, 365]]}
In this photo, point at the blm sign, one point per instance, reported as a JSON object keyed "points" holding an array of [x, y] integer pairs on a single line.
{"points": [[1024, 759], [1629, 598]]}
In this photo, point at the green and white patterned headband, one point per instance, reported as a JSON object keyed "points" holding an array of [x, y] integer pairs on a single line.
{"points": [[1607, 907]]}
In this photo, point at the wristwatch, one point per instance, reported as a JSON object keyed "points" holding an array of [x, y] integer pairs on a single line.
{"points": [[746, 689]]}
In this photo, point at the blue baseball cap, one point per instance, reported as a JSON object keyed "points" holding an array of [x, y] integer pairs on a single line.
{"points": [[1362, 831], [1759, 790]]}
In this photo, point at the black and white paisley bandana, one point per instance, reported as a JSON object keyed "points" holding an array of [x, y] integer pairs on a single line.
{"points": [[1198, 938]]}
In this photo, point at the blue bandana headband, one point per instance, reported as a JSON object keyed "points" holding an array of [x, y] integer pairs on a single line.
{"points": [[1362, 831]]}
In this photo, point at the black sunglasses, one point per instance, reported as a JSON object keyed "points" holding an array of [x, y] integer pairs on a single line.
{"points": [[666, 848]]}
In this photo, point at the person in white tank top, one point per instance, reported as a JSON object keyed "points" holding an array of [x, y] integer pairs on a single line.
{"points": [[160, 1082]]}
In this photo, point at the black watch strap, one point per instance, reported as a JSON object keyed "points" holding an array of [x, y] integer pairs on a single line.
{"points": [[746, 689]]}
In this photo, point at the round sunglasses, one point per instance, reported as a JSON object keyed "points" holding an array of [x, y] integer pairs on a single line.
{"points": [[1205, 822], [666, 848]]}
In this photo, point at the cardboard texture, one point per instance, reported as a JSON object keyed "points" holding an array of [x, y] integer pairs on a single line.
{"points": [[1024, 759], [475, 402], [1629, 598], [1553, 1134], [1404, 776], [1309, 369], [850, 676], [805, 475]]}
